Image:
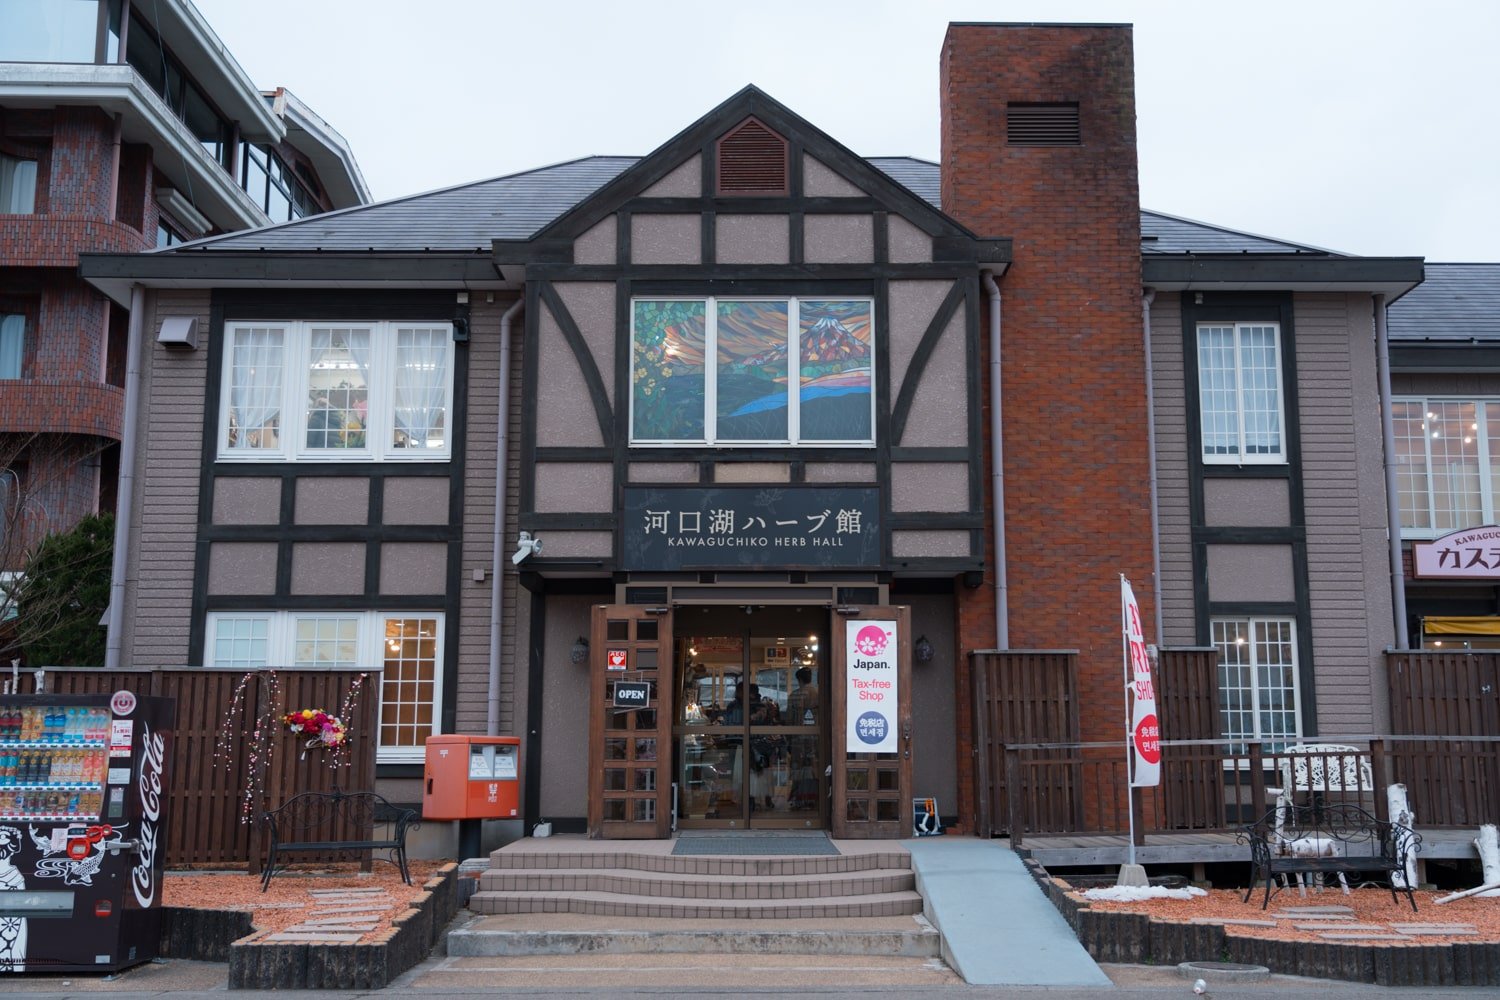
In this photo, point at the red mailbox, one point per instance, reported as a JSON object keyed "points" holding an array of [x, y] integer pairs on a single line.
{"points": [[472, 777]]}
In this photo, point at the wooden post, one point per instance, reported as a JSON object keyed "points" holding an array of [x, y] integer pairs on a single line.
{"points": [[984, 791], [1013, 797], [1377, 774], [1257, 784]]}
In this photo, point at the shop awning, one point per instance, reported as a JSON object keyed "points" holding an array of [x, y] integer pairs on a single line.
{"points": [[1462, 625]]}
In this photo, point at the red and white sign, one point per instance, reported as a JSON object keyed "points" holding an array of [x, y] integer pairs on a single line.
{"points": [[122, 702], [1145, 729], [871, 692], [1466, 554], [615, 659]]}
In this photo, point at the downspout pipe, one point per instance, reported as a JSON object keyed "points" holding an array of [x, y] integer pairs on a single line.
{"points": [[1148, 297], [997, 473], [498, 559], [1392, 497], [125, 495]]}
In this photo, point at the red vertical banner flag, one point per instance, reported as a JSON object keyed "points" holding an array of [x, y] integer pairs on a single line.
{"points": [[1145, 727]]}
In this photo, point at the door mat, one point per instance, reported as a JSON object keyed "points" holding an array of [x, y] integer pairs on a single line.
{"points": [[755, 844]]}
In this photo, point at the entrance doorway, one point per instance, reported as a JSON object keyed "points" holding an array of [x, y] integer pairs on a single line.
{"points": [[749, 732]]}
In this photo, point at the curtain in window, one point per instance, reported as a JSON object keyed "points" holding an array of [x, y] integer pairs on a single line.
{"points": [[12, 339], [337, 403], [255, 387], [420, 387], [17, 186]]}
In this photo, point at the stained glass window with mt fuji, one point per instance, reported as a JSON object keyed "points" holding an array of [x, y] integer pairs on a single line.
{"points": [[835, 387]]}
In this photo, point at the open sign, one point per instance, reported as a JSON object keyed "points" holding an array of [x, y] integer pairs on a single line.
{"points": [[632, 694]]}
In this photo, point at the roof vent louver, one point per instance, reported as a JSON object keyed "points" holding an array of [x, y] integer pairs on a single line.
{"points": [[1042, 125], [752, 161]]}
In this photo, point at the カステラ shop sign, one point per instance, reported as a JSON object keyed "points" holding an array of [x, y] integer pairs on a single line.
{"points": [[817, 527], [1467, 554]]}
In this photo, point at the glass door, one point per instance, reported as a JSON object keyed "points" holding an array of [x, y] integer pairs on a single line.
{"points": [[749, 724]]}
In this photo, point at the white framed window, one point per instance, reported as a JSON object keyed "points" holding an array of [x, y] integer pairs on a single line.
{"points": [[1258, 682], [334, 392], [1447, 463], [1239, 393], [752, 371], [406, 647]]}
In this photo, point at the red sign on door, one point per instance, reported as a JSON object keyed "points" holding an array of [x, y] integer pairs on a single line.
{"points": [[616, 659]]}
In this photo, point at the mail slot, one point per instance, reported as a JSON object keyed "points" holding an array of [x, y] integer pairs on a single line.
{"points": [[471, 777]]}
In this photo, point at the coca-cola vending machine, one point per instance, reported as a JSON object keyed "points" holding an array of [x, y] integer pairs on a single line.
{"points": [[83, 799]]}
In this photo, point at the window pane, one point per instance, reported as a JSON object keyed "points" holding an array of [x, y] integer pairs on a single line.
{"points": [[400, 656], [48, 30], [241, 642], [835, 385], [668, 371], [1259, 387], [1451, 438], [751, 374], [1408, 419], [257, 359], [1218, 391], [1236, 693], [12, 344], [1275, 685], [421, 387], [338, 381], [17, 185], [326, 642]]}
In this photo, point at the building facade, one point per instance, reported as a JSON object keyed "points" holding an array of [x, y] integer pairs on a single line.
{"points": [[778, 439], [123, 127]]}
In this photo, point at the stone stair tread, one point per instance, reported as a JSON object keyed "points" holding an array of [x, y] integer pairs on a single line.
{"points": [[704, 864], [873, 880], [489, 901]]}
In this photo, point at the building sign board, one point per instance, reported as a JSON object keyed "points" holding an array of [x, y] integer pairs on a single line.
{"points": [[871, 686], [793, 527], [1145, 727], [1466, 554]]}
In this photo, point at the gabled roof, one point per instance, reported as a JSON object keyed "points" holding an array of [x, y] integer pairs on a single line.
{"points": [[468, 216], [1458, 303]]}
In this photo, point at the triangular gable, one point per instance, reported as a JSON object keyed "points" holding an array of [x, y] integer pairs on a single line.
{"points": [[839, 171]]}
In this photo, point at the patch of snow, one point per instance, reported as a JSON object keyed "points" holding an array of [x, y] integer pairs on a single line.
{"points": [[1131, 893]]}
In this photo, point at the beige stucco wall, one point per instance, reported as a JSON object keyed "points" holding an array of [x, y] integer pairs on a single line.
{"points": [[838, 239], [684, 181], [567, 487], [916, 544], [592, 307], [819, 181], [906, 244], [328, 568], [598, 245], [247, 500], [413, 567], [236, 568], [752, 239], [1246, 503], [666, 239], [416, 500], [839, 472], [564, 413], [929, 486], [752, 472], [332, 500], [939, 414], [1251, 573]]}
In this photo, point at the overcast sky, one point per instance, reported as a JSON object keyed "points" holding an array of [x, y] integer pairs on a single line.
{"points": [[1367, 127]]}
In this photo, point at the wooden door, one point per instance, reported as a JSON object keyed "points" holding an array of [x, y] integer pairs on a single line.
{"points": [[871, 790], [630, 748]]}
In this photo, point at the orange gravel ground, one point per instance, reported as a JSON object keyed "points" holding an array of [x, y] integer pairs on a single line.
{"points": [[1370, 906], [287, 901]]}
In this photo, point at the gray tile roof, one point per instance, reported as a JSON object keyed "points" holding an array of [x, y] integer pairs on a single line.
{"points": [[1168, 234], [1456, 303], [469, 216], [466, 217]]}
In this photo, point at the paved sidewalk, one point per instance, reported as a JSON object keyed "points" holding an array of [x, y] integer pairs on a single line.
{"points": [[998, 929]]}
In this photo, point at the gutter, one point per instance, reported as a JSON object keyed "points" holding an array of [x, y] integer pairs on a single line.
{"points": [[498, 558], [997, 473], [1392, 497], [125, 497]]}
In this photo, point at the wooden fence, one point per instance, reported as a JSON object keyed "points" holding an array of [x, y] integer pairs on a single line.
{"points": [[1023, 696], [211, 773]]}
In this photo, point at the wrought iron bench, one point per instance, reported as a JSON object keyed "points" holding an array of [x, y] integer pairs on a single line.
{"points": [[312, 823], [1327, 839]]}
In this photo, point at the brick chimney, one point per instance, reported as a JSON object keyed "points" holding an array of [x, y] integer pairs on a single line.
{"points": [[1038, 144]]}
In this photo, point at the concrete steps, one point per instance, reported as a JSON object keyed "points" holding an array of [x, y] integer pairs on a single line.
{"points": [[588, 898]]}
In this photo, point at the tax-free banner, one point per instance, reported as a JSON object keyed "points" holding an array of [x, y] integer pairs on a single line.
{"points": [[870, 696]]}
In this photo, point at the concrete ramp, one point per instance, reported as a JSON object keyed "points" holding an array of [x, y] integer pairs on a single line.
{"points": [[997, 928]]}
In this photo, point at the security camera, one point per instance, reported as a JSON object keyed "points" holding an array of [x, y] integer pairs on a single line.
{"points": [[526, 546]]}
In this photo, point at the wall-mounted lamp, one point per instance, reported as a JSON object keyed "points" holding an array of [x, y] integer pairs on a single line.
{"points": [[923, 650], [580, 651]]}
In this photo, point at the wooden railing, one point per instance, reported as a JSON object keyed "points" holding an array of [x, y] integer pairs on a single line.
{"points": [[1219, 785], [209, 774]]}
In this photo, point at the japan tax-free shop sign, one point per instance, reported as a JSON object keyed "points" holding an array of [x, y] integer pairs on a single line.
{"points": [[871, 686]]}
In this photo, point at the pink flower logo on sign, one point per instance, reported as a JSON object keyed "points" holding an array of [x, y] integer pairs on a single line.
{"points": [[870, 641]]}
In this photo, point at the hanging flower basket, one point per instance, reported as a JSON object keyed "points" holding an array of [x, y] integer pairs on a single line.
{"points": [[321, 730]]}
